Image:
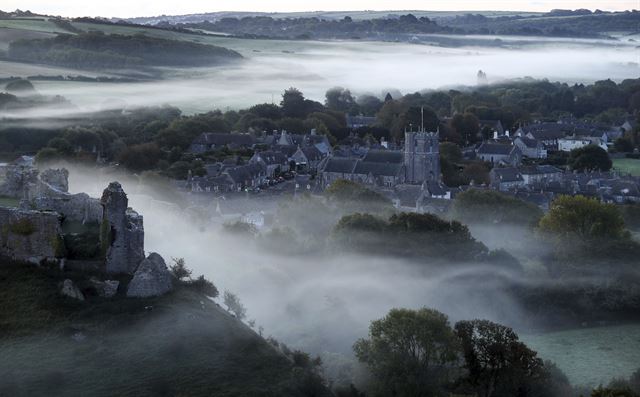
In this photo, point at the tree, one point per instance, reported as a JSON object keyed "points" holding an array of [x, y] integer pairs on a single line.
{"points": [[467, 126], [623, 144], [179, 269], [409, 352], [340, 99], [140, 157], [451, 152], [488, 206], [498, 363], [293, 103], [583, 218], [590, 158], [233, 304]]}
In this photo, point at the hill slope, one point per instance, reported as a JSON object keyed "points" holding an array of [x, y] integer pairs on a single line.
{"points": [[180, 344]]}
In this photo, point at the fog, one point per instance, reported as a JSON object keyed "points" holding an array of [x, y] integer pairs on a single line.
{"points": [[313, 67], [323, 301], [317, 301]]}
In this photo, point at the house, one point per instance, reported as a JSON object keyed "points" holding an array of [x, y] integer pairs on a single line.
{"points": [[307, 159], [540, 174], [547, 133], [274, 162], [570, 143], [505, 179], [215, 140], [496, 153], [247, 176], [531, 148], [338, 168]]}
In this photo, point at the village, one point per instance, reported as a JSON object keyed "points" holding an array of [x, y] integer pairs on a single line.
{"points": [[284, 165]]}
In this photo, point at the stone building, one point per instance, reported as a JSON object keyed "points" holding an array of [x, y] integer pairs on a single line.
{"points": [[417, 163]]}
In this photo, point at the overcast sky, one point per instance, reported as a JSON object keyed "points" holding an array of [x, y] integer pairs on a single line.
{"points": [[131, 8]]}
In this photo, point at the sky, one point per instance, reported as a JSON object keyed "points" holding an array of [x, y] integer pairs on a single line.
{"points": [[133, 8]]}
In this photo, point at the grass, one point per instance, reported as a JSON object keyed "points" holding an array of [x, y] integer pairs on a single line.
{"points": [[185, 345], [592, 355], [630, 166], [9, 201]]}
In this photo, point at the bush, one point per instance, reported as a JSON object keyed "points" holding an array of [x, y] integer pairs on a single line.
{"points": [[203, 286]]}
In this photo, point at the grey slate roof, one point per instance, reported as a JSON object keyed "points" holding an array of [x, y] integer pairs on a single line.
{"points": [[495, 148], [340, 165], [510, 174], [384, 169], [384, 156]]}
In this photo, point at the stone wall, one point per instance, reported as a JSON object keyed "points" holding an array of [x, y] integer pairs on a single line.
{"points": [[122, 232], [31, 236], [77, 207]]}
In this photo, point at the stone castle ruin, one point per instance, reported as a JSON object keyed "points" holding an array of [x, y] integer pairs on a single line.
{"points": [[49, 224]]}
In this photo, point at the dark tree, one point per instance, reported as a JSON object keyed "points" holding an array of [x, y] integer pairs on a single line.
{"points": [[590, 158], [498, 363], [293, 103]]}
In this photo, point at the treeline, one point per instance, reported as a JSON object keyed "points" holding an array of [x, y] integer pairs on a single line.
{"points": [[557, 23], [457, 114], [96, 50], [315, 28]]}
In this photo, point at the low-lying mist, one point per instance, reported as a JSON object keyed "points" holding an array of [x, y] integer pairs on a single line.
{"points": [[313, 67]]}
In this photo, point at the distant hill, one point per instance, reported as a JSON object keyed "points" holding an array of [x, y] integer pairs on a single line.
{"points": [[180, 344], [96, 50], [383, 25]]}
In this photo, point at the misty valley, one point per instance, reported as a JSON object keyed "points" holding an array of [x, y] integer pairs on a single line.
{"points": [[320, 204]]}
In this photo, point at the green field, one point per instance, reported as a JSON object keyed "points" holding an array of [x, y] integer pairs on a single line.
{"points": [[629, 166], [9, 201], [591, 356]]}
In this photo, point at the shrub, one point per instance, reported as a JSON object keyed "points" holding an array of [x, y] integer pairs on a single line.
{"points": [[204, 286]]}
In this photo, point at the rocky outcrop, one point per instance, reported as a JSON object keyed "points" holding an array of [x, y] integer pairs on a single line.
{"points": [[106, 288], [31, 236], [152, 278], [71, 290], [122, 231]]}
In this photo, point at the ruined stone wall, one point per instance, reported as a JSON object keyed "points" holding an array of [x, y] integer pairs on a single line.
{"points": [[77, 207], [122, 232], [30, 235], [16, 180]]}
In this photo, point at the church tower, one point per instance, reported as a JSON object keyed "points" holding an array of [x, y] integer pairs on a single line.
{"points": [[421, 156]]}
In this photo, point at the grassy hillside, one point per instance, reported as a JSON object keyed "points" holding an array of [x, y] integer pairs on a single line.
{"points": [[630, 166], [181, 344]]}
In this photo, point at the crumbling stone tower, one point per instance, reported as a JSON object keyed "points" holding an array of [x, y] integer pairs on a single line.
{"points": [[122, 232]]}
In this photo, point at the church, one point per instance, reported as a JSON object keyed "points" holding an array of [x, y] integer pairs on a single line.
{"points": [[417, 163]]}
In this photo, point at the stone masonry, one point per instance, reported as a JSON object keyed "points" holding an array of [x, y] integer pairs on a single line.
{"points": [[122, 232]]}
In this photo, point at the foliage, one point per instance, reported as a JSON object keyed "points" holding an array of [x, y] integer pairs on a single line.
{"points": [[95, 50], [140, 157], [23, 227], [498, 364], [408, 235], [233, 304], [179, 269], [346, 191], [203, 286], [409, 352], [583, 218], [488, 206], [589, 158]]}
